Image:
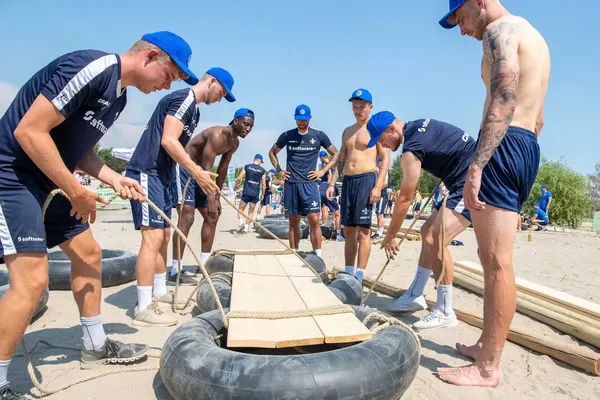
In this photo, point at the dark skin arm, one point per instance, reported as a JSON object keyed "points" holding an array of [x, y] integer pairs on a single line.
{"points": [[501, 51], [202, 151]]}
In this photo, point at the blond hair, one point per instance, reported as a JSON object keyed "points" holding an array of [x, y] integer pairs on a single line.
{"points": [[142, 45]]}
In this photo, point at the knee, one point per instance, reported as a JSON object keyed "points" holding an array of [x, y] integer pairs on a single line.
{"points": [[494, 260], [91, 254], [428, 238], [313, 221], [187, 218]]}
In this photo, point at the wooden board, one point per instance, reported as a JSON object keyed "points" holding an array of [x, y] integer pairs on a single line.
{"points": [[281, 282]]}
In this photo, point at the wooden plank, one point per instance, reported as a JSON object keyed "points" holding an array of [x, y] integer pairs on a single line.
{"points": [[261, 284], [337, 328], [294, 267]]}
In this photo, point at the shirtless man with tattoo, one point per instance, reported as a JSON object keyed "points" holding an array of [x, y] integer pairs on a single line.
{"points": [[362, 185], [515, 70], [203, 150]]}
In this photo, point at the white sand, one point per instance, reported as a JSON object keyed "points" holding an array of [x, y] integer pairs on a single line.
{"points": [[564, 261]]}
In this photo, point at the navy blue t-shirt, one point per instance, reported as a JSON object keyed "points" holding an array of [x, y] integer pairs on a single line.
{"points": [[85, 87], [302, 151], [254, 175], [149, 156], [445, 151]]}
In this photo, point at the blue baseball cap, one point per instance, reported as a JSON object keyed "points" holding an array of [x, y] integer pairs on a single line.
{"points": [[177, 48], [362, 94], [224, 79], [323, 153], [242, 112], [302, 112], [377, 124], [379, 159], [536, 204], [543, 187], [260, 157], [273, 170], [454, 5]]}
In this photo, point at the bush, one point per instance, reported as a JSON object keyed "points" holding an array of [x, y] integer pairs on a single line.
{"points": [[109, 160], [427, 182], [571, 201]]}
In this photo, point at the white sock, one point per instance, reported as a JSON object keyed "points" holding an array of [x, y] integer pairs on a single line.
{"points": [[204, 257], [242, 221], [94, 336], [359, 274], [160, 284], [144, 297], [417, 287], [174, 267], [380, 231], [350, 269], [318, 252], [4, 373], [444, 300]]}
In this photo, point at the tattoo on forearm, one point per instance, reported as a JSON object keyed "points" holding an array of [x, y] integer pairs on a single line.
{"points": [[501, 48]]}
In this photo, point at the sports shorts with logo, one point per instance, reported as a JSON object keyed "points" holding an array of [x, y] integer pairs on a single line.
{"points": [[507, 179], [301, 198], [159, 193], [332, 204], [249, 198], [382, 203], [194, 196], [356, 193], [22, 228]]}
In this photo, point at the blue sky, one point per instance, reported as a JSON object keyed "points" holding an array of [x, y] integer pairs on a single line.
{"points": [[282, 54]]}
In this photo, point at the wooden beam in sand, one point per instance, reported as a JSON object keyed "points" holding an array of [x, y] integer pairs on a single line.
{"points": [[577, 356], [281, 282]]}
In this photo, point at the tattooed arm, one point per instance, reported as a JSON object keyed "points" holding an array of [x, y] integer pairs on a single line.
{"points": [[501, 48]]}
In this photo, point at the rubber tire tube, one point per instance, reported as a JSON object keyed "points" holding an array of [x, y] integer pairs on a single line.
{"points": [[327, 232], [346, 288], [219, 263], [317, 263], [118, 267], [194, 366], [274, 217], [280, 228], [205, 299]]}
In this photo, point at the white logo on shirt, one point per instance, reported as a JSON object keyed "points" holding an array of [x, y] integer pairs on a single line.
{"points": [[423, 127], [96, 123], [105, 103], [465, 137], [312, 141]]}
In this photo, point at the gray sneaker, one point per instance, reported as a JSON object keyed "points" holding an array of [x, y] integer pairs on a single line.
{"points": [[186, 278], [7, 393], [113, 352]]}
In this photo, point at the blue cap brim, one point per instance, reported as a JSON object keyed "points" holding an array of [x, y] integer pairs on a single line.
{"points": [[444, 21], [192, 78], [229, 96], [302, 117], [373, 141]]}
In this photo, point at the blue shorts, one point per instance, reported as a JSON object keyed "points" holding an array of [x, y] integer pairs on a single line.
{"points": [[301, 198], [21, 226], [332, 204], [507, 179], [249, 198], [356, 193], [266, 201], [381, 205], [159, 193], [456, 203], [194, 196]]}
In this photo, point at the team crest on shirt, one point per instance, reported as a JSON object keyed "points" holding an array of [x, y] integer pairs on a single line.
{"points": [[312, 141]]}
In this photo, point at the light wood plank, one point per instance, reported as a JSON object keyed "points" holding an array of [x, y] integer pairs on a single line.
{"points": [[261, 284], [294, 267]]}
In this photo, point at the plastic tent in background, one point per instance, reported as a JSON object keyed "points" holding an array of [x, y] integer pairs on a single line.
{"points": [[123, 153]]}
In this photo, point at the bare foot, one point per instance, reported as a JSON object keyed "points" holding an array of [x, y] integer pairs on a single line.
{"points": [[471, 352], [470, 376]]}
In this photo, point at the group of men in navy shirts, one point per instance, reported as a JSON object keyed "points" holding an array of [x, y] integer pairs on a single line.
{"points": [[59, 115]]}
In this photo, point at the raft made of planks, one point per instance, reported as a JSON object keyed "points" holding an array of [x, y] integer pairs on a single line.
{"points": [[580, 357], [281, 282]]}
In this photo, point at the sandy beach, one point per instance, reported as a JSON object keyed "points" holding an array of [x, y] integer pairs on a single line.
{"points": [[563, 261]]}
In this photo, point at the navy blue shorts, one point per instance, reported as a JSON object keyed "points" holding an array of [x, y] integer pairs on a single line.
{"points": [[381, 205], [356, 193], [194, 195], [249, 198], [159, 193], [266, 201], [332, 204], [456, 203], [301, 198], [507, 179], [21, 226]]}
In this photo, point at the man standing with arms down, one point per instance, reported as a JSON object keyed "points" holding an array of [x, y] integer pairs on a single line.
{"points": [[254, 184], [301, 188], [362, 185], [50, 129], [515, 70], [203, 149]]}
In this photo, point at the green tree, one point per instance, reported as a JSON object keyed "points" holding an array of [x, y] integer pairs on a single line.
{"points": [[109, 160], [427, 182], [396, 172], [571, 201]]}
